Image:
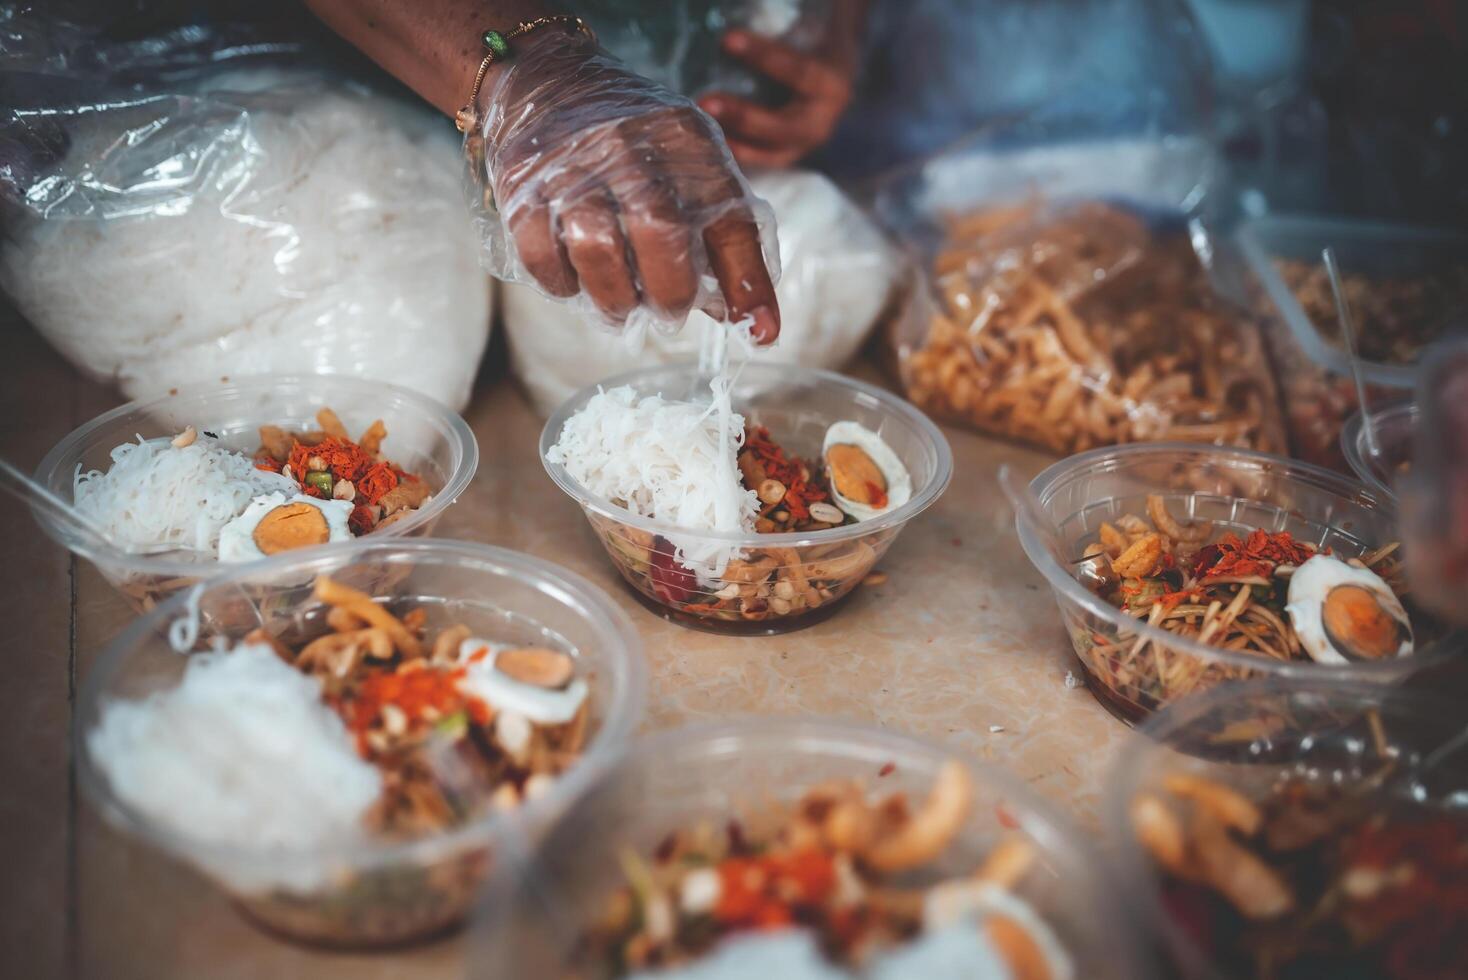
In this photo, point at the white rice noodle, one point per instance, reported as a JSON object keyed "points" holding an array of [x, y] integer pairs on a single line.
{"points": [[668, 460], [242, 754], [157, 494]]}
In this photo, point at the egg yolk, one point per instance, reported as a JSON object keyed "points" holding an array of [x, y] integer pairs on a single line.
{"points": [[1017, 947], [291, 526], [856, 476], [1356, 623]]}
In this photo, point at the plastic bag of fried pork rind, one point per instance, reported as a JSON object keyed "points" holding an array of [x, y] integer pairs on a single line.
{"points": [[1070, 305], [215, 201]]}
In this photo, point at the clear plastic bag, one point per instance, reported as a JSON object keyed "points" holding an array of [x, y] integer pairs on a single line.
{"points": [[216, 202], [1071, 303], [1078, 327], [840, 278]]}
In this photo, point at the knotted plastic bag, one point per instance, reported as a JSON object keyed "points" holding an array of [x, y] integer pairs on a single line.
{"points": [[214, 202]]}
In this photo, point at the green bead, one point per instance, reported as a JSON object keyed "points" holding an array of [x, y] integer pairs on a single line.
{"points": [[496, 44]]}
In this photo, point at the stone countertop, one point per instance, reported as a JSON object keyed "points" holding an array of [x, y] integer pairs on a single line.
{"points": [[962, 644]]}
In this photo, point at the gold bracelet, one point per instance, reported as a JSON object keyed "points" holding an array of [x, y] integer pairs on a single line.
{"points": [[496, 48]]}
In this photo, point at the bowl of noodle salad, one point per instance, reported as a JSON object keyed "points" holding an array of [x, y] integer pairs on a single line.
{"points": [[1177, 567], [212, 475], [747, 502], [803, 849], [344, 757]]}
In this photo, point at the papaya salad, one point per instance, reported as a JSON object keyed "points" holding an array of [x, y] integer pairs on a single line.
{"points": [[192, 494], [380, 728], [840, 884], [1264, 593], [1310, 879], [682, 464]]}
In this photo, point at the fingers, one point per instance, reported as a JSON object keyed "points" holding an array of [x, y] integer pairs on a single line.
{"points": [[744, 120], [541, 252], [708, 185], [597, 250], [798, 71], [738, 262], [624, 223], [754, 157], [661, 243], [656, 227]]}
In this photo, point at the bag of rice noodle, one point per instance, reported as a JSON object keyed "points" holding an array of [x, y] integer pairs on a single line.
{"points": [[213, 203], [839, 277]]}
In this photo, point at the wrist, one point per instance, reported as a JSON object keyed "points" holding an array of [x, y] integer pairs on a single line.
{"points": [[564, 39]]}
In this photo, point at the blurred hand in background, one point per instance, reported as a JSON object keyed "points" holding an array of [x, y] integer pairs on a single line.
{"points": [[818, 82]]}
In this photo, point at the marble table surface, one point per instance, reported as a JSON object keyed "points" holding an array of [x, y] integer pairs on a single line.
{"points": [[962, 644]]}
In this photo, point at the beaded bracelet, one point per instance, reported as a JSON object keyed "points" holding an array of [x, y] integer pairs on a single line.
{"points": [[497, 48]]}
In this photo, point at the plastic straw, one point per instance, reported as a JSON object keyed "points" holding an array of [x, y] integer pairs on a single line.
{"points": [[1348, 336], [33, 493]]}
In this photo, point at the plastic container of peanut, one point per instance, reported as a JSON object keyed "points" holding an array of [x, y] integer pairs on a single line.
{"points": [[1082, 325], [1406, 286]]}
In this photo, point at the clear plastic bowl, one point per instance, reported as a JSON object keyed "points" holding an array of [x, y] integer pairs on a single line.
{"points": [[382, 892], [1248, 736], [787, 581], [533, 917], [1395, 427], [1238, 490], [1317, 386], [423, 437]]}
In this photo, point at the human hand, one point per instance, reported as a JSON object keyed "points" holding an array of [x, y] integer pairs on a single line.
{"points": [[820, 84], [605, 184]]}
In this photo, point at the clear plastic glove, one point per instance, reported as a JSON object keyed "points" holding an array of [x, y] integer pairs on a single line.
{"points": [[608, 188]]}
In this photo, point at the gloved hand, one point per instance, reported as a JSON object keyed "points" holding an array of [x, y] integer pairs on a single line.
{"points": [[606, 186]]}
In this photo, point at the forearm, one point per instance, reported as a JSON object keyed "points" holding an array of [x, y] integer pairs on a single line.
{"points": [[432, 46]]}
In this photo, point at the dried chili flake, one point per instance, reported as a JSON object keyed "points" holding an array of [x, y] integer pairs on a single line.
{"points": [[1171, 600], [1257, 555], [800, 492], [764, 891], [375, 483], [478, 711], [344, 459], [1006, 819], [269, 463], [413, 690]]}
